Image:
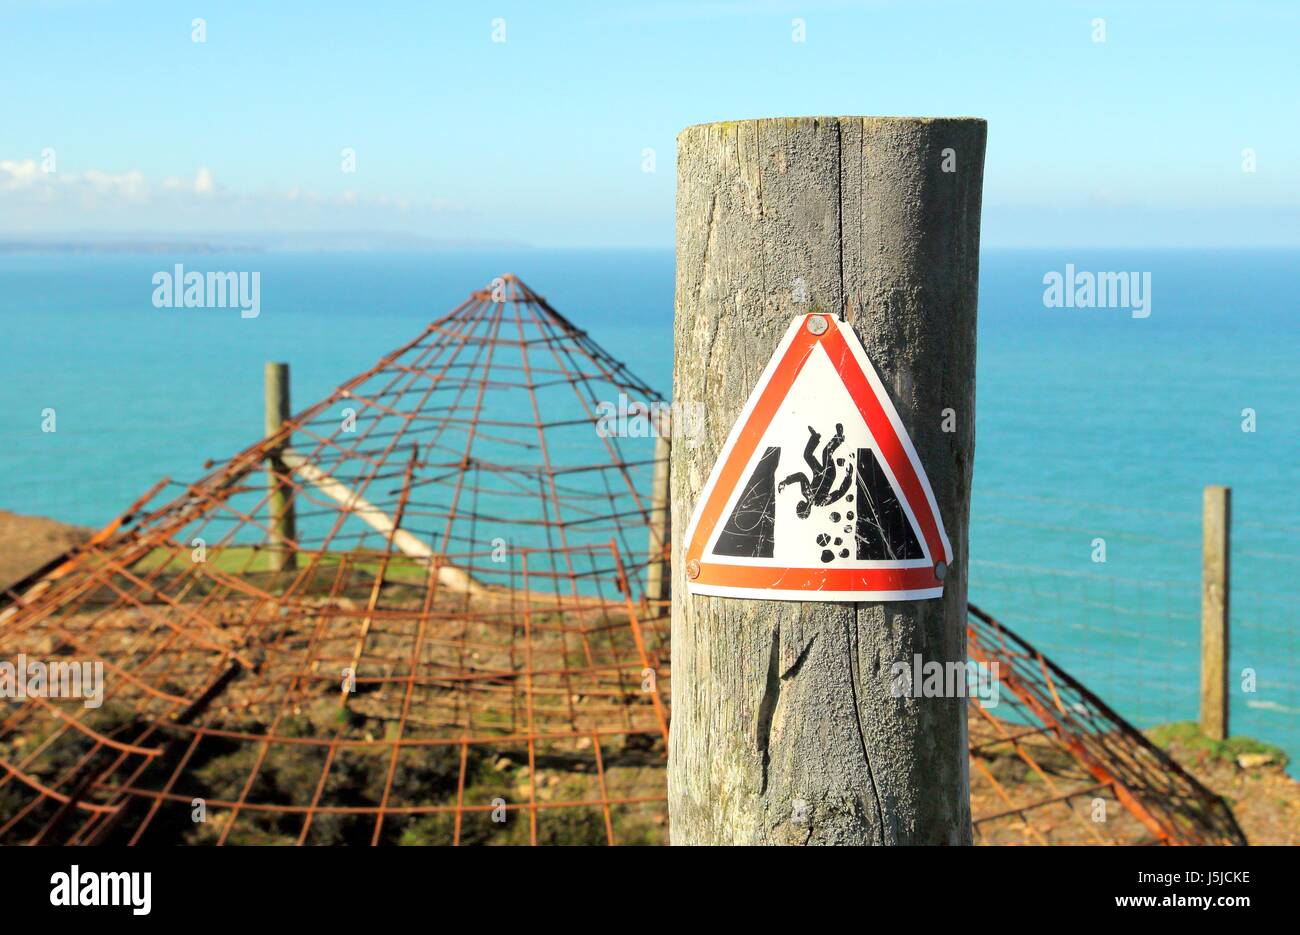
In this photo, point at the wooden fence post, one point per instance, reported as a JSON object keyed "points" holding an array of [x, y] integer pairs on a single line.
{"points": [[280, 508], [1215, 580], [785, 729], [657, 571]]}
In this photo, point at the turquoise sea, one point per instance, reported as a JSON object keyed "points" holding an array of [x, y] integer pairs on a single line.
{"points": [[1091, 423]]}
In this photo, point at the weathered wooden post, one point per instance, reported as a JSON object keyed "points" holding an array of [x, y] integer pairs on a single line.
{"points": [[280, 509], [657, 571], [1215, 579], [784, 725]]}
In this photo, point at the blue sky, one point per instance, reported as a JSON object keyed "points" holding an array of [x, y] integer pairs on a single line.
{"points": [[1134, 141]]}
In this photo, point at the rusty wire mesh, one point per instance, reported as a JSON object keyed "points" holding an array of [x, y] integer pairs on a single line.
{"points": [[454, 629], [1052, 764], [454, 642]]}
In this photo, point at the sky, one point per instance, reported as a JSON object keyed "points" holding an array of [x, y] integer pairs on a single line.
{"points": [[1111, 123]]}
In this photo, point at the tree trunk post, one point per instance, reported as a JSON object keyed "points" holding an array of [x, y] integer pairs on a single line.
{"points": [[784, 725], [657, 570], [1215, 578], [280, 509]]}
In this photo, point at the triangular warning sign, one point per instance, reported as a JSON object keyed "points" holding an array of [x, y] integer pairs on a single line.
{"points": [[818, 494]]}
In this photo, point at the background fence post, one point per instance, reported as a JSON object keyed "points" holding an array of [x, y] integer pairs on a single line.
{"points": [[280, 508], [784, 726], [1215, 580], [657, 571]]}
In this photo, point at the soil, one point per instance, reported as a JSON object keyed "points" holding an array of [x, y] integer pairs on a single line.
{"points": [[28, 542], [1264, 799], [1250, 776]]}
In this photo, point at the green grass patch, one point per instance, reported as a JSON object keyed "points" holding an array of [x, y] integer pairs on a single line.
{"points": [[1187, 736], [254, 560]]}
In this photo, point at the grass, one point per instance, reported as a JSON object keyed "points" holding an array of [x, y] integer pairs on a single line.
{"points": [[250, 560], [1187, 736]]}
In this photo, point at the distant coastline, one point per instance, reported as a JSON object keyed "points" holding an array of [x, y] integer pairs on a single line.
{"points": [[200, 242], [126, 246]]}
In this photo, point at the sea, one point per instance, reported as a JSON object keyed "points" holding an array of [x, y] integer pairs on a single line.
{"points": [[1096, 430]]}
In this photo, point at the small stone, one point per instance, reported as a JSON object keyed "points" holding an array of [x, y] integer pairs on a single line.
{"points": [[1254, 760]]}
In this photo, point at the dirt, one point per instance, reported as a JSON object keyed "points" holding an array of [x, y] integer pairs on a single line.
{"points": [[1250, 776], [28, 542], [1264, 799]]}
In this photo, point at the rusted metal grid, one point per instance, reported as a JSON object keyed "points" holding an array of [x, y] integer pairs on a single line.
{"points": [[1052, 764], [453, 645], [457, 632]]}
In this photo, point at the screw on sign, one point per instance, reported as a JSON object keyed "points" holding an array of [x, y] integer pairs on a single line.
{"points": [[818, 493]]}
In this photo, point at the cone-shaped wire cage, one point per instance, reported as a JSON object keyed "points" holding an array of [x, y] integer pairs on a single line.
{"points": [[430, 609], [416, 613]]}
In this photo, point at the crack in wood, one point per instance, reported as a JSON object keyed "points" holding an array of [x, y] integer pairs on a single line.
{"points": [[767, 706]]}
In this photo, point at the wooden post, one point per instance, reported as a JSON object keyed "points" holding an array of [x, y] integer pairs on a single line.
{"points": [[657, 571], [280, 509], [1215, 579], [785, 729]]}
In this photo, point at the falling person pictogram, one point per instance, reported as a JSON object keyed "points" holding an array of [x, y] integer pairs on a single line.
{"points": [[794, 511]]}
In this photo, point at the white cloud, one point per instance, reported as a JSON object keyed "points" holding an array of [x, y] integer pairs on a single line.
{"points": [[28, 179], [202, 184], [31, 198], [16, 176]]}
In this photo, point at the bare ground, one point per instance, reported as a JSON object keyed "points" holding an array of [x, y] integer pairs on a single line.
{"points": [[28, 542], [1250, 776], [1265, 800]]}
